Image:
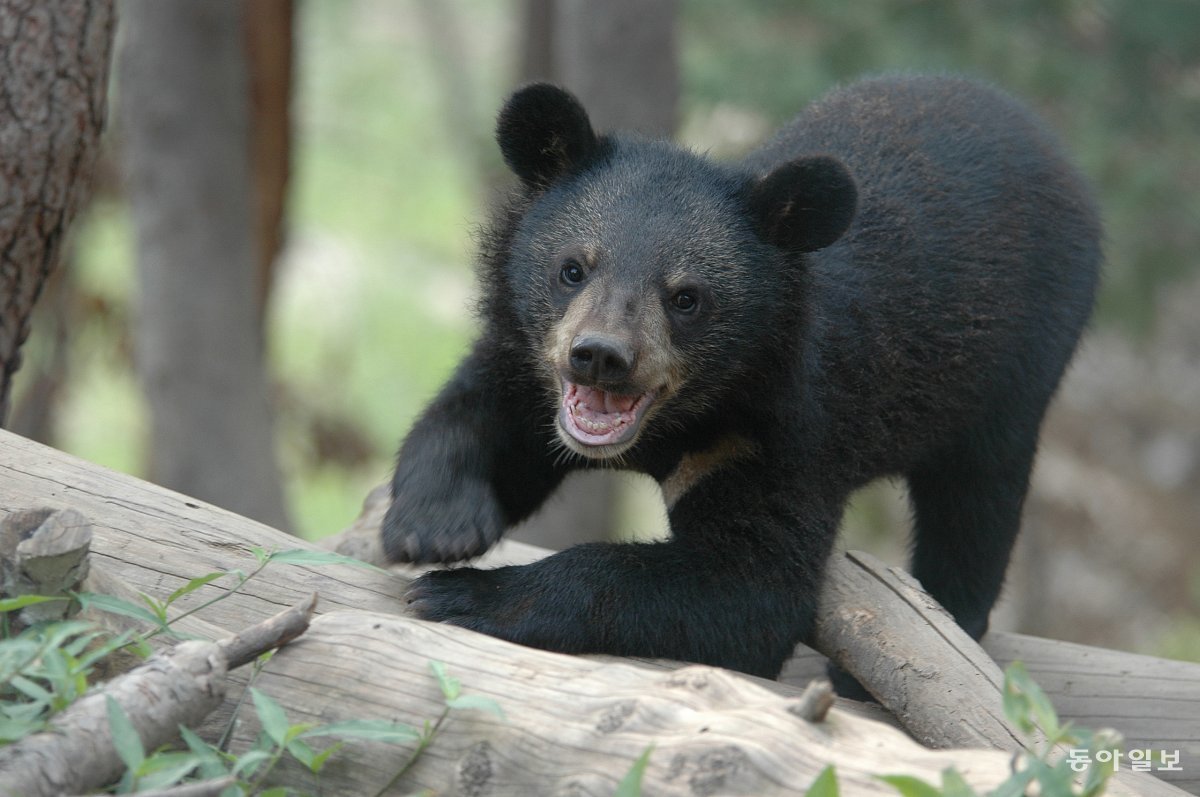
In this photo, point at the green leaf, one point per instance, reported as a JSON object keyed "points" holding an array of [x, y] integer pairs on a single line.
{"points": [[451, 687], [31, 689], [107, 603], [260, 554], [125, 737], [21, 601], [825, 785], [296, 731], [79, 644], [953, 784], [1026, 705], [323, 756], [631, 784], [302, 753], [1014, 785], [211, 764], [99, 652], [12, 730], [271, 715], [248, 762], [141, 648], [166, 768], [275, 791], [477, 702], [303, 556], [909, 786], [156, 606], [195, 584], [371, 730], [56, 669], [57, 634]]}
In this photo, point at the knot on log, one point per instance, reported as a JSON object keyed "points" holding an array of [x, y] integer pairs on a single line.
{"points": [[615, 715], [473, 774], [814, 703], [716, 770]]}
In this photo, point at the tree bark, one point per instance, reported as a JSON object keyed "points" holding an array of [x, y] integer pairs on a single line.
{"points": [[54, 57], [882, 628], [574, 725], [184, 105]]}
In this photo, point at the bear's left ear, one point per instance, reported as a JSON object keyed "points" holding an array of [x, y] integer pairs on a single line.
{"points": [[543, 132], [805, 204]]}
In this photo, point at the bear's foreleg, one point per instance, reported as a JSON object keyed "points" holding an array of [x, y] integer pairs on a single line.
{"points": [[737, 588], [473, 465]]}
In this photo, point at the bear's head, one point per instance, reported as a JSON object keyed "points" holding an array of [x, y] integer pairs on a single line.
{"points": [[650, 282]]}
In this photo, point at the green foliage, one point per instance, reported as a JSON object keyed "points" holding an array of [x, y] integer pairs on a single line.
{"points": [[46, 668], [1044, 770], [43, 670], [1028, 708], [631, 784], [155, 611], [825, 784]]}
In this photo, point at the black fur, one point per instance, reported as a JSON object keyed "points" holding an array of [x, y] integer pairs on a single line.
{"points": [[925, 342]]}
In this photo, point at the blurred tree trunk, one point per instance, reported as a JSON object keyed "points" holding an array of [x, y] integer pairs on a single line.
{"points": [[185, 113], [54, 58], [619, 57], [269, 47]]}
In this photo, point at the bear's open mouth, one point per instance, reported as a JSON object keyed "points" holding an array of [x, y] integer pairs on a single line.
{"points": [[595, 417]]}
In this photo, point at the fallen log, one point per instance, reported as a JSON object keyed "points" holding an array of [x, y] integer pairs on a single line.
{"points": [[573, 725], [157, 540]]}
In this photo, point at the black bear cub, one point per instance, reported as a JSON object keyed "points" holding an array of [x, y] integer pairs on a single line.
{"points": [[892, 286]]}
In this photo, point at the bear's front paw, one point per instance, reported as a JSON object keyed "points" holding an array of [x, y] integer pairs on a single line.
{"points": [[508, 602], [436, 523], [465, 596]]}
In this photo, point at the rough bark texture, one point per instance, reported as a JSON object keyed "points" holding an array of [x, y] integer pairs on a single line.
{"points": [[54, 57], [879, 625], [573, 725], [184, 106]]}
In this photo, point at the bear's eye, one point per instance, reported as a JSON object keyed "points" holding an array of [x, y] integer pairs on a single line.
{"points": [[685, 301], [571, 273]]}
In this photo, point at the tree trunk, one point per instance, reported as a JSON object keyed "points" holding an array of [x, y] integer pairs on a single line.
{"points": [[184, 106], [619, 57], [269, 45], [54, 57]]}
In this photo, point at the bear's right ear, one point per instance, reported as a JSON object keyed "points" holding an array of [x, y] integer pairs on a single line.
{"points": [[543, 132], [805, 204]]}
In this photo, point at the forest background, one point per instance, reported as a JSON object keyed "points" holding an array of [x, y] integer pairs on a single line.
{"points": [[392, 165]]}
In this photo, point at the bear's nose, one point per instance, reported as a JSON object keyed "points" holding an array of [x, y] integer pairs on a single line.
{"points": [[601, 359]]}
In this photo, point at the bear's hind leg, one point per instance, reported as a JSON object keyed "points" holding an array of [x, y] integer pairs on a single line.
{"points": [[967, 505]]}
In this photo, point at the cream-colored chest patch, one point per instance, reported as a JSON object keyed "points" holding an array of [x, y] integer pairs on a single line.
{"points": [[696, 465]]}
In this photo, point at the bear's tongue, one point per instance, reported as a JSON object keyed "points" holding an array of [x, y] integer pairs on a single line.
{"points": [[597, 417]]}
